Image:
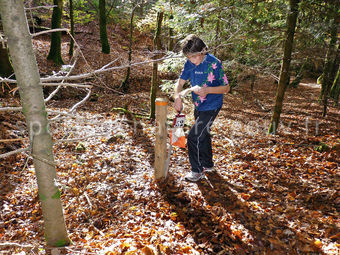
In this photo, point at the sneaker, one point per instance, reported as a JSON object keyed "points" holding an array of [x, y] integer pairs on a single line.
{"points": [[208, 169], [193, 176]]}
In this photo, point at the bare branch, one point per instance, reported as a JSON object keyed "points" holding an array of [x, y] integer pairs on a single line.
{"points": [[75, 85], [101, 70], [12, 140], [81, 102], [107, 65], [51, 31], [6, 80], [41, 7], [31, 16], [95, 72], [2, 40], [58, 88], [42, 32], [5, 155], [17, 109], [76, 105], [63, 113], [13, 109], [79, 138]]}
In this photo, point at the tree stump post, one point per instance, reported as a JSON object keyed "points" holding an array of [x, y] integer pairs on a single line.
{"points": [[161, 138]]}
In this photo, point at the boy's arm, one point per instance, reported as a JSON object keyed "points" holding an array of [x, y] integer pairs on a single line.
{"points": [[178, 100], [178, 87], [218, 90], [203, 91]]}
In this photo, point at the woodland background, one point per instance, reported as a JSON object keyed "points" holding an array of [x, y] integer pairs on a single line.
{"points": [[274, 193]]}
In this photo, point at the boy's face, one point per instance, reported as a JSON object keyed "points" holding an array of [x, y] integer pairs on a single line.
{"points": [[196, 58]]}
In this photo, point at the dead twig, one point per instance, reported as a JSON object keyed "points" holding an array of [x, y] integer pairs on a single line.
{"points": [[3, 245]]}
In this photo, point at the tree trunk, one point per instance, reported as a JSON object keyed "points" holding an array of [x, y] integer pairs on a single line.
{"points": [[218, 27], [141, 8], [70, 52], [102, 26], [125, 83], [155, 80], [171, 43], [330, 63], [217, 34], [6, 68], [32, 100], [171, 39], [55, 49], [284, 73], [335, 90]]}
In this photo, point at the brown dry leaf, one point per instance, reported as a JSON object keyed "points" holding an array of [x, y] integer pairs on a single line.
{"points": [[147, 250], [186, 249]]}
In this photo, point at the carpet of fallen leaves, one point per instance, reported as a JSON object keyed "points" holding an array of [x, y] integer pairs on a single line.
{"points": [[270, 194]]}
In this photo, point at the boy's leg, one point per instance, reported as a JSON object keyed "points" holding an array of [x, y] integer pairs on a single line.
{"points": [[199, 147], [206, 152]]}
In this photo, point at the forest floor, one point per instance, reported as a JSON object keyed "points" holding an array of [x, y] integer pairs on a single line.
{"points": [[270, 194]]}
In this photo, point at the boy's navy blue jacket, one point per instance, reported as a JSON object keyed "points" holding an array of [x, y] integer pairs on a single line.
{"points": [[207, 74]]}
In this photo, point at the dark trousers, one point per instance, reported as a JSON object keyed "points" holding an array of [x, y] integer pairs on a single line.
{"points": [[199, 140]]}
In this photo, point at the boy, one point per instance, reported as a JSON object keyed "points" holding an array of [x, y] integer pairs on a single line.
{"points": [[208, 83]]}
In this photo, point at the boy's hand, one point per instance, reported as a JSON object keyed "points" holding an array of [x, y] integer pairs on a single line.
{"points": [[178, 104], [201, 91]]}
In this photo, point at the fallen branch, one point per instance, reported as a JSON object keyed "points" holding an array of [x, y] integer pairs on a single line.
{"points": [[58, 88], [3, 41], [7, 109], [52, 84], [90, 219], [51, 31], [63, 113], [16, 245], [41, 7], [258, 103], [5, 155], [79, 138], [81, 102], [12, 140], [14, 109], [88, 200], [95, 72], [126, 111], [76, 105]]}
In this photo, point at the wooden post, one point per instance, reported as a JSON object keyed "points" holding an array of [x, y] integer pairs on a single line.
{"points": [[161, 138]]}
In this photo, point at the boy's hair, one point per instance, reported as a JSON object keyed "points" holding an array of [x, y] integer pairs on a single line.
{"points": [[193, 44]]}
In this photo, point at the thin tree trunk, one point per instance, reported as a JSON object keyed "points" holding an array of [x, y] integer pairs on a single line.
{"points": [[125, 83], [171, 39], [299, 75], [32, 100], [171, 43], [55, 48], [218, 28], [141, 8], [335, 90], [6, 68], [284, 73], [72, 28], [330, 61], [102, 26], [155, 80]]}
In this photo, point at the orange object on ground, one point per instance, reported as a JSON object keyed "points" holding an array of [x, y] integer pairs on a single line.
{"points": [[177, 135], [177, 141]]}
